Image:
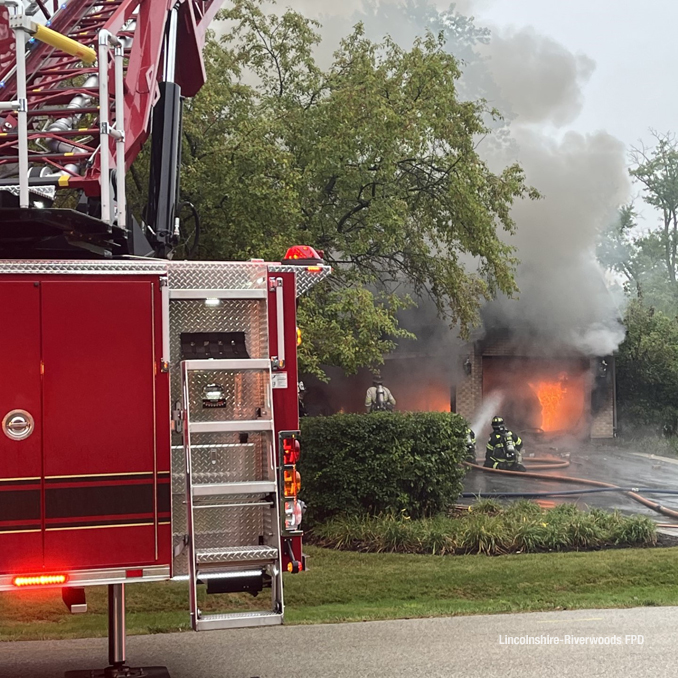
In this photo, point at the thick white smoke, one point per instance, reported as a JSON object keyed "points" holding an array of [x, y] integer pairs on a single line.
{"points": [[537, 76], [563, 292], [538, 84]]}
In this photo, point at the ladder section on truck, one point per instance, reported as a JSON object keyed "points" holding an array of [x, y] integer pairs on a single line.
{"points": [[226, 514], [231, 488]]}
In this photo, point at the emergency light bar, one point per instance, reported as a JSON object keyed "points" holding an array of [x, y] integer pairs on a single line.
{"points": [[303, 255]]}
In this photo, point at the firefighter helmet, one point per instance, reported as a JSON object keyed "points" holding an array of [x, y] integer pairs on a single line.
{"points": [[498, 423]]}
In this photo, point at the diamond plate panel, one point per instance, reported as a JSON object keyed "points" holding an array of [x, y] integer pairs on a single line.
{"points": [[236, 315], [224, 526], [179, 513], [245, 395], [179, 527], [43, 191], [180, 563], [235, 554], [306, 279], [93, 267], [213, 463], [217, 275], [248, 316]]}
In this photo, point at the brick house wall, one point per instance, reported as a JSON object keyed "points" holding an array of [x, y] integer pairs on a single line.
{"points": [[469, 395]]}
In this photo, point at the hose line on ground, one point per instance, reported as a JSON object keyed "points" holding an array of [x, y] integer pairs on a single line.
{"points": [[563, 493], [583, 481]]}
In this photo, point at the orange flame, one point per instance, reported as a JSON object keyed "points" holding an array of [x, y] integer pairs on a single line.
{"points": [[551, 395]]}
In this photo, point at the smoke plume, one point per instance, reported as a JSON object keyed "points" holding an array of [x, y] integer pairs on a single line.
{"points": [[564, 306], [563, 298], [538, 84], [538, 77]]}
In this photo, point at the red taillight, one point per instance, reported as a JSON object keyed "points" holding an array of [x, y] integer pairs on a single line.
{"points": [[291, 449], [41, 580]]}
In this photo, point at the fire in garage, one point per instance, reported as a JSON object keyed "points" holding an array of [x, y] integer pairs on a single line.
{"points": [[564, 393]]}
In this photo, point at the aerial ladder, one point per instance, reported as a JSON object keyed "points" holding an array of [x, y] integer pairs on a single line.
{"points": [[148, 406], [97, 76]]}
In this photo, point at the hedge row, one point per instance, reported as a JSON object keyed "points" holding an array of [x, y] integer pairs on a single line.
{"points": [[367, 464], [491, 529]]}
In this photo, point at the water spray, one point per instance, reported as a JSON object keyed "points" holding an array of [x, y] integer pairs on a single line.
{"points": [[489, 408]]}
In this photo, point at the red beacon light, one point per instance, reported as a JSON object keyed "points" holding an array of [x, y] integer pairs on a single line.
{"points": [[291, 450], [304, 255]]}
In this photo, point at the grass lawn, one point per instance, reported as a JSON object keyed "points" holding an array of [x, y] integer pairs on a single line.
{"points": [[347, 586]]}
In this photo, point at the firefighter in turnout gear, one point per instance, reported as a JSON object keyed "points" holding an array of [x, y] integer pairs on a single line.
{"points": [[378, 397], [470, 446], [301, 392], [503, 448]]}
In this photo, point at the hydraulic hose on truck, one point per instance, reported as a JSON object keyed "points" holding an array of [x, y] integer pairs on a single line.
{"points": [[544, 463]]}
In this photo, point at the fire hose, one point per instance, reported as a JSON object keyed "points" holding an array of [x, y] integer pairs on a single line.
{"points": [[544, 463]]}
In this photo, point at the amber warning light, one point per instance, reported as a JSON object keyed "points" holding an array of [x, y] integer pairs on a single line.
{"points": [[41, 580]]}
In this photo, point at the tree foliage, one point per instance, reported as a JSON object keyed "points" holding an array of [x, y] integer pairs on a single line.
{"points": [[647, 261], [638, 257], [373, 160], [647, 369], [656, 170]]}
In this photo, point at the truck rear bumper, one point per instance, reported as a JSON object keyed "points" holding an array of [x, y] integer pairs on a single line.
{"points": [[101, 577]]}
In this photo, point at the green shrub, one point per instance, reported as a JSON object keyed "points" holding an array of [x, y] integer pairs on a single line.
{"points": [[368, 464], [489, 506], [635, 530], [522, 527]]}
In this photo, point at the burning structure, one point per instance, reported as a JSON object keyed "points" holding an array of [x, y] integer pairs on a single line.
{"points": [[537, 386], [562, 392]]}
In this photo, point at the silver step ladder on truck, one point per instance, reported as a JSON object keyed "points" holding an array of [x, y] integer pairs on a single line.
{"points": [[225, 487]]}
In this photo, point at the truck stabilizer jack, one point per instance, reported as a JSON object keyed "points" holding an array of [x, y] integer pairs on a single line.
{"points": [[116, 645]]}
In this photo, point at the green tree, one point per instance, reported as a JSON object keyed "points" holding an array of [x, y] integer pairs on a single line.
{"points": [[647, 369], [647, 259], [647, 362], [638, 258], [373, 160], [656, 170]]}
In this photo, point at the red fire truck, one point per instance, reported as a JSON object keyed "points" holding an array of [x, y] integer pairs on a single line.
{"points": [[149, 406]]}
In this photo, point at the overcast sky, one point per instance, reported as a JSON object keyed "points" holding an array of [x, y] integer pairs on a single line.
{"points": [[635, 49]]}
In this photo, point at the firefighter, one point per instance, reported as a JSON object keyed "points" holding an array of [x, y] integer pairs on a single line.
{"points": [[378, 397], [301, 390], [470, 446], [503, 448]]}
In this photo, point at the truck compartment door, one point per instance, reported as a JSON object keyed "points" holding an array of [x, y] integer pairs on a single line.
{"points": [[100, 462], [20, 438]]}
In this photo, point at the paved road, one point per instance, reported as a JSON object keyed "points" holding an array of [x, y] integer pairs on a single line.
{"points": [[459, 646]]}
